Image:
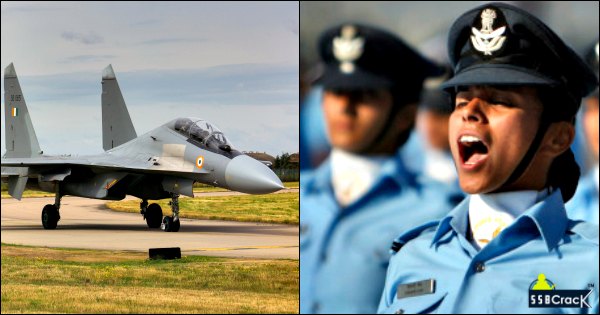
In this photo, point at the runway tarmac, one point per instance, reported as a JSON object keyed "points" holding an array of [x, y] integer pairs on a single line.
{"points": [[87, 223]]}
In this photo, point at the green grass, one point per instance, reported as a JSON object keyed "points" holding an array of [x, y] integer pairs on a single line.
{"points": [[29, 194], [272, 208], [38, 279], [198, 187]]}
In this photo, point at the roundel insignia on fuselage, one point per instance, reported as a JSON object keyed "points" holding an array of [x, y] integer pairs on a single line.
{"points": [[200, 162]]}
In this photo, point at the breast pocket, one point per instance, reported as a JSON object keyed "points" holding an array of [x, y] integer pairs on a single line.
{"points": [[423, 304]]}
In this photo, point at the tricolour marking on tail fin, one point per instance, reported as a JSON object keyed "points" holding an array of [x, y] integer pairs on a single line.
{"points": [[21, 140], [117, 127]]}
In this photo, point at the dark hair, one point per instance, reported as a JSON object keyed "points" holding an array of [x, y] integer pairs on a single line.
{"points": [[564, 172], [401, 97]]}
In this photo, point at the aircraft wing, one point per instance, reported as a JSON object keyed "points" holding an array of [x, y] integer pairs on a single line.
{"points": [[138, 165]]}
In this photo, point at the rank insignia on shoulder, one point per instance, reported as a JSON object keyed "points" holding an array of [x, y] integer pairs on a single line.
{"points": [[396, 246]]}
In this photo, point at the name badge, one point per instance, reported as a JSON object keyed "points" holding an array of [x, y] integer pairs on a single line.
{"points": [[415, 288]]}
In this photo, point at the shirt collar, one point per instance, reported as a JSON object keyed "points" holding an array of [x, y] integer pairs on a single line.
{"points": [[548, 215], [343, 161], [392, 169], [319, 179], [456, 219], [513, 203]]}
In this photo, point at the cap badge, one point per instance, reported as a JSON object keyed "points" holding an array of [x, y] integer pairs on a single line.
{"points": [[488, 40], [347, 48]]}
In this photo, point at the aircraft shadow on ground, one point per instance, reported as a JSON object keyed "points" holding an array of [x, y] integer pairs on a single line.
{"points": [[258, 229]]}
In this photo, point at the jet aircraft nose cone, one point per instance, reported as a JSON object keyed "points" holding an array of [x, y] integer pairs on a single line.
{"points": [[248, 175]]}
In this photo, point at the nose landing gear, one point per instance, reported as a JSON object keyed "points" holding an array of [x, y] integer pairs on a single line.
{"points": [[172, 223]]}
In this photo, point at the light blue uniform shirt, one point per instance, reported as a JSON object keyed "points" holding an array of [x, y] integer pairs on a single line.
{"points": [[344, 252], [584, 204], [497, 278]]}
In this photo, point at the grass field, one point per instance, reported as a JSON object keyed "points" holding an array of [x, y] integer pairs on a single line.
{"points": [[43, 280], [198, 188], [273, 208], [207, 188], [29, 194]]}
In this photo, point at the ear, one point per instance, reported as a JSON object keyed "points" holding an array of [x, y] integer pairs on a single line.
{"points": [[558, 138]]}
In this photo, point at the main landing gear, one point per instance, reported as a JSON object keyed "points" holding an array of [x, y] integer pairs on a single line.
{"points": [[153, 215], [50, 214]]}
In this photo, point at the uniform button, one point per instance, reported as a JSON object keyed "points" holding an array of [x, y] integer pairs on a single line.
{"points": [[400, 311], [479, 267]]}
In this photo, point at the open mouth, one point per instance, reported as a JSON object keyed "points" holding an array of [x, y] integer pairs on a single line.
{"points": [[473, 151]]}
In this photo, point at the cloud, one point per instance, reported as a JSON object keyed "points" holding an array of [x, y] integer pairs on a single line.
{"points": [[87, 58], [249, 84], [160, 41], [28, 6], [89, 39], [144, 23], [293, 26], [255, 105]]}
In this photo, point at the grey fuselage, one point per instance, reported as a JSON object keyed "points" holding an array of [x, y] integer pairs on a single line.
{"points": [[173, 159]]}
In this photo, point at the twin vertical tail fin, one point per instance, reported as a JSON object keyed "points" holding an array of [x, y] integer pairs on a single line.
{"points": [[117, 127], [21, 140]]}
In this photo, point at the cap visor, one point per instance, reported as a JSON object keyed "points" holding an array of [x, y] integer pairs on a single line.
{"points": [[333, 78], [497, 74]]}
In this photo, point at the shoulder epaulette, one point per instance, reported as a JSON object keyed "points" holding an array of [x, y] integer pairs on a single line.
{"points": [[409, 235]]}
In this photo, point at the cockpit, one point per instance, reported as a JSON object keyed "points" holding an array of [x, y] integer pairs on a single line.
{"points": [[203, 132]]}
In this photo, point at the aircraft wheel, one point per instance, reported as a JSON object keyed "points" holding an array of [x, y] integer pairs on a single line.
{"points": [[50, 217], [153, 216], [171, 225], [176, 225]]}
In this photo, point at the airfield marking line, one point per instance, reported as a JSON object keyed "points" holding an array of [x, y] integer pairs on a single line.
{"points": [[86, 225]]}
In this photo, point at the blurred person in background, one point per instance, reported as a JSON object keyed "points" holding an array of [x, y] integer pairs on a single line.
{"points": [[432, 124], [362, 196], [584, 205]]}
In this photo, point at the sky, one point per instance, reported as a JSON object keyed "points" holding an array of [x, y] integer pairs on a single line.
{"points": [[234, 64], [425, 24]]}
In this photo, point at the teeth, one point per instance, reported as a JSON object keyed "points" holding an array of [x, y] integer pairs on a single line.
{"points": [[469, 139]]}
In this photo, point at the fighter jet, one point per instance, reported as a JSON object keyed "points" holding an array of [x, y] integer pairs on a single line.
{"points": [[162, 163]]}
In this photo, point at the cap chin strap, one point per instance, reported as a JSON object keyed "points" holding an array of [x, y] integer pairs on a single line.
{"points": [[535, 144]]}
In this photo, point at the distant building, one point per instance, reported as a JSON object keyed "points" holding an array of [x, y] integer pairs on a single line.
{"points": [[295, 160], [263, 157]]}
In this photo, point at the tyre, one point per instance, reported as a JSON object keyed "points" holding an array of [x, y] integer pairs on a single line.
{"points": [[50, 217], [153, 216]]}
